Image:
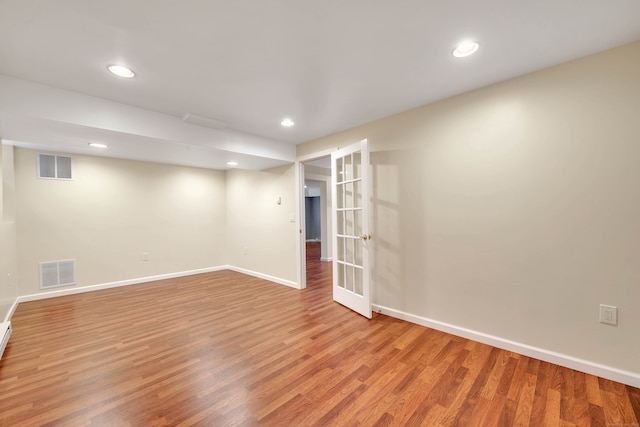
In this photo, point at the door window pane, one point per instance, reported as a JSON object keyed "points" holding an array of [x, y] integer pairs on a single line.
{"points": [[340, 196], [348, 195], [348, 225], [358, 251], [358, 282], [357, 165], [348, 280], [357, 223], [349, 250], [348, 168], [357, 194], [340, 222], [339, 169]]}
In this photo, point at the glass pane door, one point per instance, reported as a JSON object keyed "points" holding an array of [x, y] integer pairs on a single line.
{"points": [[351, 238]]}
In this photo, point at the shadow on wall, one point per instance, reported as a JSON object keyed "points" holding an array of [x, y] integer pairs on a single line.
{"points": [[399, 258]]}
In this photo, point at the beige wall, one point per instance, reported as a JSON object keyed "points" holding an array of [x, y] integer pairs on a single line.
{"points": [[112, 212], [514, 210], [256, 222], [8, 249]]}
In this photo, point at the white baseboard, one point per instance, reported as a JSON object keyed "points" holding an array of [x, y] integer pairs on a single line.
{"points": [[90, 288], [614, 374], [274, 279], [12, 310], [330, 259], [62, 292]]}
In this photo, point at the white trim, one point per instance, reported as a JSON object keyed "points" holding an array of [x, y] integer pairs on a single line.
{"points": [[274, 279], [316, 155], [301, 262], [12, 310], [90, 288], [62, 292], [330, 259], [614, 374]]}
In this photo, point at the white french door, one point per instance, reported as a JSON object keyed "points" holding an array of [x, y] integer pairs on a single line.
{"points": [[349, 177]]}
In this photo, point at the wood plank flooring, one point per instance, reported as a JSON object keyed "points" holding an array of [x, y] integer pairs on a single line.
{"points": [[224, 349]]}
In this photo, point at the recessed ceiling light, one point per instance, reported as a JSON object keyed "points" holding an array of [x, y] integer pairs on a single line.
{"points": [[232, 163], [465, 49], [98, 145], [287, 122], [121, 71]]}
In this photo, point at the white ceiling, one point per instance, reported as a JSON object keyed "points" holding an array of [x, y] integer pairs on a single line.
{"points": [[329, 65]]}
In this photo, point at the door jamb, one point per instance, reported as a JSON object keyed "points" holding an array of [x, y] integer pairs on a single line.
{"points": [[301, 264]]}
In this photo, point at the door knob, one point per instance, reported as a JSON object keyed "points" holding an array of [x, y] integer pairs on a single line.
{"points": [[366, 237]]}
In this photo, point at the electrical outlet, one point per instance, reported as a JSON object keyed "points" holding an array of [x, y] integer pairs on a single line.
{"points": [[608, 314], [145, 256], [245, 250]]}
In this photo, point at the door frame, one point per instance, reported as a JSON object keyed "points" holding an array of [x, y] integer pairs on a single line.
{"points": [[301, 264]]}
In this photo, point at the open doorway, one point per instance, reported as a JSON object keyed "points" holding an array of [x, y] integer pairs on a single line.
{"points": [[315, 208]]}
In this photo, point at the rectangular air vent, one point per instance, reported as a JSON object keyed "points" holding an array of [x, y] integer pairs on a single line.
{"points": [[54, 167], [57, 273]]}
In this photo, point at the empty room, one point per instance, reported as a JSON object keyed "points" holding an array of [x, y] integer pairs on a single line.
{"points": [[285, 213]]}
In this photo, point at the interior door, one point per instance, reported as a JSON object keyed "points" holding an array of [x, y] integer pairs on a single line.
{"points": [[349, 177]]}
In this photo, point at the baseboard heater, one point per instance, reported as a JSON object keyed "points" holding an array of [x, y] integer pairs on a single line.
{"points": [[5, 332]]}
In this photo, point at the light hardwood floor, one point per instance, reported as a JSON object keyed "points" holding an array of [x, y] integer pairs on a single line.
{"points": [[224, 349]]}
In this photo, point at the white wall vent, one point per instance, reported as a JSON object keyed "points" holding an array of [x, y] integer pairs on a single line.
{"points": [[54, 167], [5, 333], [57, 273]]}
